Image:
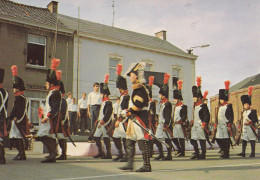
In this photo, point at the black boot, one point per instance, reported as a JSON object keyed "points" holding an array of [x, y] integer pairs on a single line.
{"points": [[99, 146], [226, 147], [118, 145], [221, 146], [203, 149], [63, 146], [130, 147], [177, 144], [15, 143], [108, 147], [196, 149], [51, 146], [151, 142], [143, 146], [2, 154], [243, 153], [125, 149], [182, 143], [21, 150], [159, 146], [252, 149], [169, 153]]}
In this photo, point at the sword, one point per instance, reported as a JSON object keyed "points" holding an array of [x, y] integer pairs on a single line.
{"points": [[68, 135], [207, 137], [148, 131], [171, 141], [20, 130]]}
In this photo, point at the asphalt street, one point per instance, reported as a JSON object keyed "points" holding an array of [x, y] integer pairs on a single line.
{"points": [[78, 168]]}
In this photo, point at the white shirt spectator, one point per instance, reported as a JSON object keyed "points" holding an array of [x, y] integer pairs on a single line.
{"points": [[69, 101], [94, 98], [83, 103], [73, 107]]}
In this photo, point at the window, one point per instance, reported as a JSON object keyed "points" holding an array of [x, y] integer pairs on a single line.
{"points": [[148, 65], [34, 104], [112, 68], [36, 50], [175, 77]]}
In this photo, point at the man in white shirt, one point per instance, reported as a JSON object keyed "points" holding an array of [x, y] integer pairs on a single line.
{"points": [[94, 104], [73, 116], [82, 103], [69, 99]]}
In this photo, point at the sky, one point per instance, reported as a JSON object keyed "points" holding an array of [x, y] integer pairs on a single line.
{"points": [[231, 28]]}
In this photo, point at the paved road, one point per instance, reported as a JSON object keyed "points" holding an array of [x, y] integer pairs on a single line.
{"points": [[76, 168]]}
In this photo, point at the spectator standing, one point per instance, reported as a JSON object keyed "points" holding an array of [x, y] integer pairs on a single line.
{"points": [[73, 116], [69, 99], [82, 103]]}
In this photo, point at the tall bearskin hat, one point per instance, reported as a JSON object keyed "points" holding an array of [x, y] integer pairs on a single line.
{"points": [[164, 90], [17, 81], [224, 93], [177, 92], [138, 69], [196, 90], [247, 98], [51, 73], [2, 75], [58, 75], [120, 80], [104, 86], [150, 86]]}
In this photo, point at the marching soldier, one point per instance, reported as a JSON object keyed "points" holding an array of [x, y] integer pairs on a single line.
{"points": [[248, 124], [180, 117], [199, 123], [224, 121], [48, 129], [63, 130], [3, 116], [152, 113], [18, 116], [164, 128], [121, 119], [104, 120], [138, 119]]}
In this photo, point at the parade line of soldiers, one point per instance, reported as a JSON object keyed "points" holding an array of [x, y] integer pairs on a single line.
{"points": [[135, 120]]}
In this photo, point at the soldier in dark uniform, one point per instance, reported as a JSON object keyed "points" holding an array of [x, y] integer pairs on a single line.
{"points": [[224, 121], [18, 116], [52, 113], [121, 119], [164, 128], [63, 130], [104, 121], [152, 114], [3, 116], [179, 120], [201, 119], [248, 124], [138, 113]]}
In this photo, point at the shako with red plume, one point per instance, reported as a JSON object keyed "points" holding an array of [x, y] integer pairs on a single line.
{"points": [[51, 73], [177, 92], [121, 82], [247, 98], [164, 90], [196, 90], [17, 81], [104, 89]]}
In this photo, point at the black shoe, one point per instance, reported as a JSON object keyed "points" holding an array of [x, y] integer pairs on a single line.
{"points": [[181, 155], [107, 157], [167, 158], [20, 158], [242, 154], [123, 159], [195, 156], [127, 168], [159, 157], [202, 156], [98, 156], [144, 169], [220, 151], [17, 156], [118, 158], [49, 161], [62, 157], [225, 156], [252, 155]]}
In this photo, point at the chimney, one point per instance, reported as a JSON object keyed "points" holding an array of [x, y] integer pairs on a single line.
{"points": [[161, 34], [53, 7]]}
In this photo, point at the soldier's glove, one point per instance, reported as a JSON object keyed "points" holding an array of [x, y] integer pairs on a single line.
{"points": [[117, 124], [129, 114], [203, 125], [165, 127]]}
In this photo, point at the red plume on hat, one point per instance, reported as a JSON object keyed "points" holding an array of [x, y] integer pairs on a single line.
{"points": [[55, 63], [119, 69], [250, 89], [205, 94], [58, 74], [166, 78], [179, 82], [14, 70], [151, 79], [198, 80], [106, 78], [227, 84]]}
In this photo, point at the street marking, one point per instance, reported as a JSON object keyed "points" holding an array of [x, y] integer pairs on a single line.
{"points": [[101, 176]]}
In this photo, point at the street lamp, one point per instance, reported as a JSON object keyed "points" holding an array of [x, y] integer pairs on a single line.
{"points": [[191, 48]]}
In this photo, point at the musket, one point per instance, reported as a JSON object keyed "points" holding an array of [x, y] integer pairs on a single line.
{"points": [[238, 135], [231, 139], [148, 131], [171, 142]]}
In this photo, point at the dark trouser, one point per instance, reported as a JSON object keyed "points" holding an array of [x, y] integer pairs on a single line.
{"points": [[73, 122], [83, 120], [52, 148], [196, 149], [244, 144], [63, 146], [2, 153], [224, 145], [118, 145], [21, 149], [94, 111], [180, 143]]}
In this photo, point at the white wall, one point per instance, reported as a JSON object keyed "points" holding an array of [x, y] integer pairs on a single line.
{"points": [[94, 61]]}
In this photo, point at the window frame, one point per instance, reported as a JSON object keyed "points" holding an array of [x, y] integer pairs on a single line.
{"points": [[149, 62], [113, 57], [29, 100], [176, 67]]}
